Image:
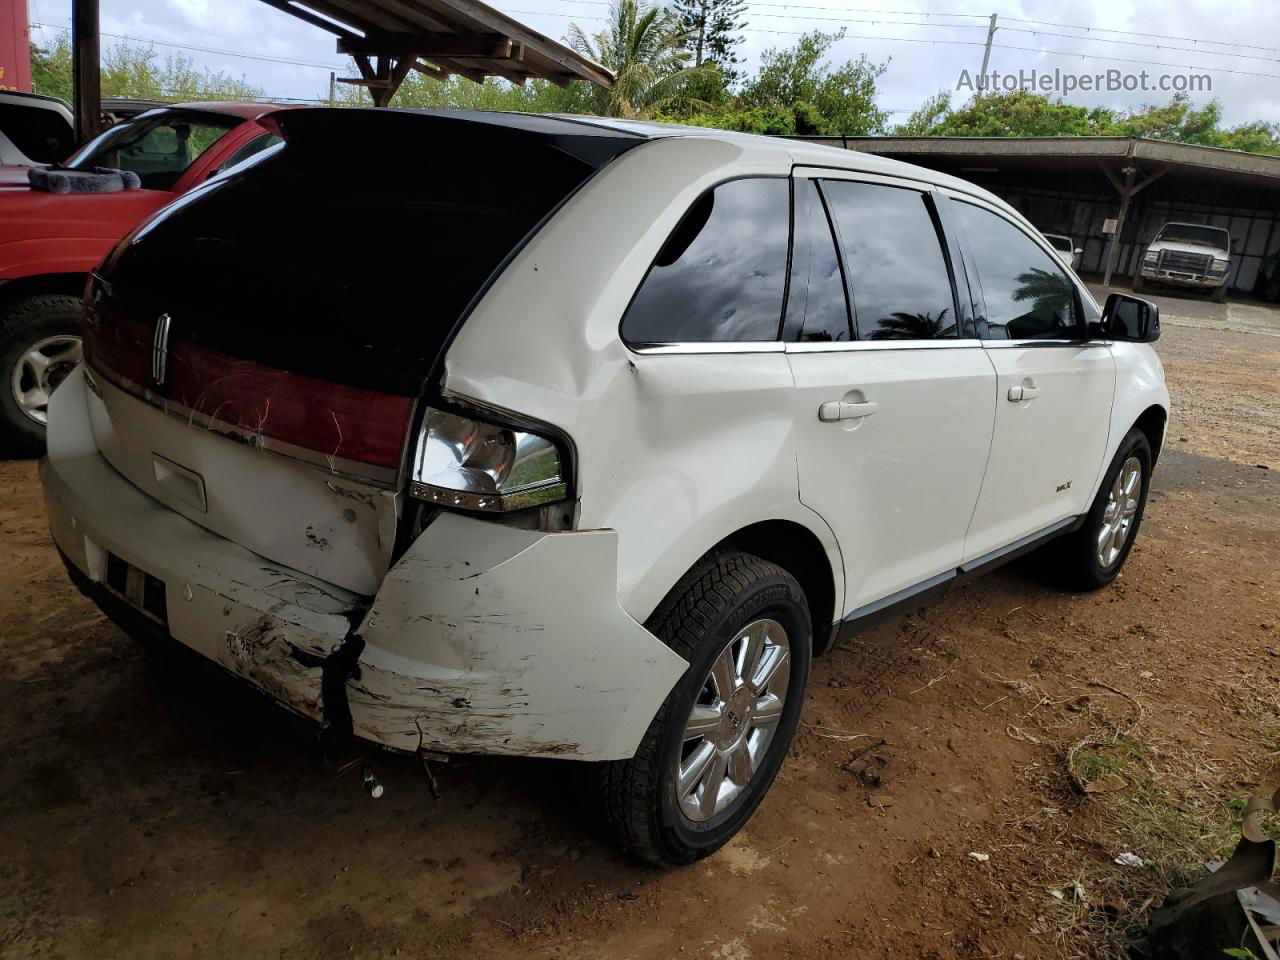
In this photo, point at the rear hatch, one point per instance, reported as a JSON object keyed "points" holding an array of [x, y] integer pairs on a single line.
{"points": [[258, 349]]}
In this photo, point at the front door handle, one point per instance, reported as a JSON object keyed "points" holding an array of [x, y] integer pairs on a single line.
{"points": [[834, 410], [1024, 392]]}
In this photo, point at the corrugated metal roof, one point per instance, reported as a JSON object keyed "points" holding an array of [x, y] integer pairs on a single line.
{"points": [[388, 38]]}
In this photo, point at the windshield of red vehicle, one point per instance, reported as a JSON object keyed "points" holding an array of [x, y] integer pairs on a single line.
{"points": [[1189, 233], [157, 148]]}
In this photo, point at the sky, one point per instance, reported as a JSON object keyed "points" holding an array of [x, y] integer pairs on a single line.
{"points": [[928, 44]]}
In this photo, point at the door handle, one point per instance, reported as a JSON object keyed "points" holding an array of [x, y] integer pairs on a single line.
{"points": [[834, 410], [1020, 393]]}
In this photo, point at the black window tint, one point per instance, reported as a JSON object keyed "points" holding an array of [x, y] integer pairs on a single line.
{"points": [[720, 276], [898, 274], [817, 303], [1028, 296]]}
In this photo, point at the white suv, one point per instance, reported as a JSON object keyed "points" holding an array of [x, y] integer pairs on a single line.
{"points": [[579, 438]]}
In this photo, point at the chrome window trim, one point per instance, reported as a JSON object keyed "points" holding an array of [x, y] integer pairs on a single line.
{"points": [[705, 347], [841, 173], [1057, 342], [823, 346]]}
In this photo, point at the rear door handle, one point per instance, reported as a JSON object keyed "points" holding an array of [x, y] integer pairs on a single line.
{"points": [[834, 410], [1017, 394]]}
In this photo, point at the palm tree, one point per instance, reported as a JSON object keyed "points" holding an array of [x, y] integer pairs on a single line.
{"points": [[912, 326], [644, 46]]}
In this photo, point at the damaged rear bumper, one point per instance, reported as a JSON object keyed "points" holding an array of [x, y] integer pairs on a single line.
{"points": [[481, 639]]}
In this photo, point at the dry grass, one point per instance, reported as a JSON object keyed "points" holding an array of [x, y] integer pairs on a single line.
{"points": [[1128, 789]]}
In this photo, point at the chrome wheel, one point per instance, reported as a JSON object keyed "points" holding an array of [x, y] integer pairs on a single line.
{"points": [[1118, 516], [734, 719], [39, 371]]}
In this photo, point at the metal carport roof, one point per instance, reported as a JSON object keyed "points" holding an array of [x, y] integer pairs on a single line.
{"points": [[388, 38]]}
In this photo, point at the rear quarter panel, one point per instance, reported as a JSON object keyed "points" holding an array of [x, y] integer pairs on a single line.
{"points": [[675, 452]]}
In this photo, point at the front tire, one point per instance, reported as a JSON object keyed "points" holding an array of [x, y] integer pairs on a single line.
{"points": [[39, 346], [715, 746], [1091, 558], [1219, 294]]}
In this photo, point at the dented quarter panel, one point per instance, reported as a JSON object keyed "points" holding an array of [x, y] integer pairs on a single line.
{"points": [[489, 639], [676, 452]]}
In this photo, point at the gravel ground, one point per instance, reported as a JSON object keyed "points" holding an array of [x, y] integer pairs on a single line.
{"points": [[928, 808]]}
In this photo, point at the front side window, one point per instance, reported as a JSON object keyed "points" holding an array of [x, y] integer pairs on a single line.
{"points": [[893, 256], [157, 148], [721, 275], [1028, 296]]}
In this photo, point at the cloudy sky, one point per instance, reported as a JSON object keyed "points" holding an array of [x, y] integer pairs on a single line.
{"points": [[928, 43]]}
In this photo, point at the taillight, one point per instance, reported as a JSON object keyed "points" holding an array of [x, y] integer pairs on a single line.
{"points": [[349, 430], [477, 464]]}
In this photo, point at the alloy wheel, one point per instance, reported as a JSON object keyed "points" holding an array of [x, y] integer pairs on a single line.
{"points": [[1120, 511], [733, 721], [39, 371]]}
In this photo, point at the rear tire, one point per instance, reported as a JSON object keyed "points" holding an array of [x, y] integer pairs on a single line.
{"points": [[715, 612], [1091, 558], [39, 346]]}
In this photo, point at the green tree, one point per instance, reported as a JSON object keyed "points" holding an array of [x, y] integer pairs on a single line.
{"points": [[843, 98], [51, 68], [458, 93], [1021, 114], [644, 46], [136, 71], [926, 119], [713, 29]]}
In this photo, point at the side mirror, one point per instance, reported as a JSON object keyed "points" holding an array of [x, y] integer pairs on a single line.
{"points": [[1079, 250], [1131, 319]]}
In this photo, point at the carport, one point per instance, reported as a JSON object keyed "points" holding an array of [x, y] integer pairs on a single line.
{"points": [[1073, 185], [386, 39]]}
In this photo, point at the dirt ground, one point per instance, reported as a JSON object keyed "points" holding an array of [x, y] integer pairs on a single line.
{"points": [[932, 805]]}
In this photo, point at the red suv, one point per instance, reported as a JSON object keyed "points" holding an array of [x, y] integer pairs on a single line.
{"points": [[50, 241]]}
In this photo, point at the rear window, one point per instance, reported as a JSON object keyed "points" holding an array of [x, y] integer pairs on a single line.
{"points": [[350, 253], [722, 274]]}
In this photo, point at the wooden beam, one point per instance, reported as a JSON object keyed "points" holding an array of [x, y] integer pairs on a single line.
{"points": [[86, 53], [429, 45], [434, 73], [306, 16], [494, 22]]}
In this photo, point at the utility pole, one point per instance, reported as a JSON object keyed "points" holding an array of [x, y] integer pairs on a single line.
{"points": [[333, 89], [986, 50], [86, 67]]}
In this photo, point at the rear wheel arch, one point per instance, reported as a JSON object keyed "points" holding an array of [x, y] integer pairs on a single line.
{"points": [[797, 550]]}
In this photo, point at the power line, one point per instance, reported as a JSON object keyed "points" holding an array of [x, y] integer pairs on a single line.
{"points": [[1145, 63], [976, 16], [1136, 43], [187, 46], [1138, 33]]}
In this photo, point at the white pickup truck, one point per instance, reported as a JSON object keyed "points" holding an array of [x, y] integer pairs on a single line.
{"points": [[1188, 255]]}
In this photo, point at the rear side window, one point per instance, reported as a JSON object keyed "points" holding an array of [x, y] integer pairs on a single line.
{"points": [[816, 305], [1028, 296], [721, 275], [893, 255]]}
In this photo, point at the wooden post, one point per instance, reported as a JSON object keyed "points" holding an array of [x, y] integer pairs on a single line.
{"points": [[1125, 193], [86, 52]]}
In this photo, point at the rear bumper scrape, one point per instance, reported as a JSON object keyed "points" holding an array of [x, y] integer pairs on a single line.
{"points": [[489, 639]]}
